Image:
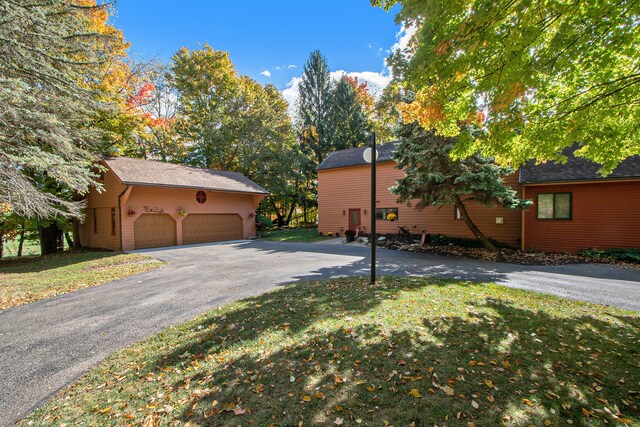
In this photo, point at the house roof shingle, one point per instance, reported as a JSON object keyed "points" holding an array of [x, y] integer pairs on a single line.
{"points": [[155, 173], [353, 156], [576, 169]]}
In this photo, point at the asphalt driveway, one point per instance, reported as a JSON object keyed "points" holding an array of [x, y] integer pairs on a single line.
{"points": [[48, 344]]}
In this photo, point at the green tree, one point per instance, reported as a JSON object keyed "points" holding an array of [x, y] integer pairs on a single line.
{"points": [[348, 119], [46, 50], [236, 124], [314, 108], [536, 76], [435, 179]]}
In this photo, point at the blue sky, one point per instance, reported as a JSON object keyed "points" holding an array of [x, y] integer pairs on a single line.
{"points": [[262, 35]]}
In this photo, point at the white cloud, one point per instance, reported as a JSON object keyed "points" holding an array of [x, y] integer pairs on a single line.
{"points": [[266, 73], [403, 38], [290, 66], [290, 94]]}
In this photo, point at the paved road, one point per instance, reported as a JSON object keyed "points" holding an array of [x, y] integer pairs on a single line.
{"points": [[48, 344]]}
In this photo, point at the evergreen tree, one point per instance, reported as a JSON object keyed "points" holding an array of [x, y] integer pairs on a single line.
{"points": [[348, 120], [314, 108], [51, 56], [435, 179]]}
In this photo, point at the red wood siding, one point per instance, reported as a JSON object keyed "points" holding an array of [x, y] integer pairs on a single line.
{"points": [[441, 220], [347, 188], [604, 215]]}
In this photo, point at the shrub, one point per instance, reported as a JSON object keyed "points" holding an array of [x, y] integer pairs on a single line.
{"points": [[263, 222], [627, 255], [350, 235]]}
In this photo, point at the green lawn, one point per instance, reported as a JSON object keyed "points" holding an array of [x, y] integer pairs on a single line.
{"points": [[31, 279], [294, 235], [29, 248], [406, 352]]}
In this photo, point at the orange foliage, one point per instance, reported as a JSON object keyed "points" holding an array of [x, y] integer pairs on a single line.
{"points": [[363, 96]]}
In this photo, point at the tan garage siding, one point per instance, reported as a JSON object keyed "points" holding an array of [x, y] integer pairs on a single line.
{"points": [[153, 230], [441, 220], [103, 203], [347, 188], [170, 200], [203, 228]]}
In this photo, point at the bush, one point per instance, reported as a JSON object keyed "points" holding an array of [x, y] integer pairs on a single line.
{"points": [[350, 235], [627, 255], [465, 242], [263, 222]]}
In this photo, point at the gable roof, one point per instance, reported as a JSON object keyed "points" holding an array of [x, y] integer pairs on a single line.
{"points": [[576, 169], [353, 156], [154, 173]]}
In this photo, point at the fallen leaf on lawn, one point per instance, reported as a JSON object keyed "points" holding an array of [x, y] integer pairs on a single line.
{"points": [[306, 398], [566, 406], [239, 411], [319, 395], [415, 393], [475, 404], [448, 390], [489, 383], [292, 379], [339, 421], [586, 412], [547, 422]]}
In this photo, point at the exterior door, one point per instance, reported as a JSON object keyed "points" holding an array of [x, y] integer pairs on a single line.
{"points": [[354, 219], [154, 231], [205, 228]]}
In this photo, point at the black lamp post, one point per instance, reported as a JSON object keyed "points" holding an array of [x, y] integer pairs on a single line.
{"points": [[371, 156]]}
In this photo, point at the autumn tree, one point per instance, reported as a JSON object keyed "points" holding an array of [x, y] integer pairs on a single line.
{"points": [[378, 115], [234, 123], [435, 179], [535, 76]]}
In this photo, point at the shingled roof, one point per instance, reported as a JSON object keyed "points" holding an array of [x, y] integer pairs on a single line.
{"points": [[154, 173], [576, 169], [353, 156]]}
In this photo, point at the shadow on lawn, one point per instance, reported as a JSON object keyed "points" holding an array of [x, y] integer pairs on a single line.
{"points": [[502, 362], [37, 263]]}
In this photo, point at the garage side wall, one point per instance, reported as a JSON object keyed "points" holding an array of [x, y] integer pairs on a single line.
{"points": [[98, 230], [149, 200], [347, 188]]}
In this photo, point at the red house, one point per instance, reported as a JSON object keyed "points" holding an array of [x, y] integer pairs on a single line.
{"points": [[573, 207]]}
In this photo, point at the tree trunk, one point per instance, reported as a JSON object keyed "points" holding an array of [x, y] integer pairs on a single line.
{"points": [[21, 240], [67, 237], [48, 239], [474, 229], [76, 234], [60, 240], [1, 245], [291, 211]]}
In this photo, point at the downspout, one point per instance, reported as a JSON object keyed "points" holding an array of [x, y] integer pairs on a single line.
{"points": [[120, 212]]}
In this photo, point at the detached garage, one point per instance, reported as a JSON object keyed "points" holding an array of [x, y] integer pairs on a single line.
{"points": [[148, 204]]}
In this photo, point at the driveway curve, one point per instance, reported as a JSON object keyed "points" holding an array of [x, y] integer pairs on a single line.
{"points": [[48, 344]]}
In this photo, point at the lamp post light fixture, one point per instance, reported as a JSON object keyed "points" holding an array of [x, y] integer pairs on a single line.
{"points": [[370, 155]]}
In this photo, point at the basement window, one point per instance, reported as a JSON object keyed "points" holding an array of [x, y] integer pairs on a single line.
{"points": [[554, 206]]}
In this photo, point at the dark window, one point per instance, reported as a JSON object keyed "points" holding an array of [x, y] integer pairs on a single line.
{"points": [[383, 213], [95, 220], [554, 206], [201, 196], [456, 213], [113, 221]]}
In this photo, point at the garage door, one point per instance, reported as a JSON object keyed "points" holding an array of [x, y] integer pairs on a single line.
{"points": [[203, 228], [154, 231]]}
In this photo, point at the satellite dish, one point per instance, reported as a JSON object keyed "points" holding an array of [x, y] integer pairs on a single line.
{"points": [[366, 155]]}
